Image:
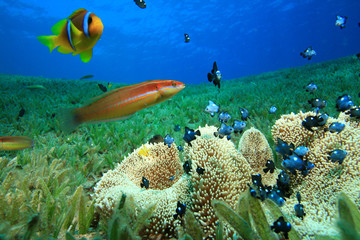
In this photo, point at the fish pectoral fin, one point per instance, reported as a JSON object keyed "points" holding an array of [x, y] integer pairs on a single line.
{"points": [[57, 28], [86, 55], [76, 34]]}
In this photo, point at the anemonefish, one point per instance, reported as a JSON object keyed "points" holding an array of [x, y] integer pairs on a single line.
{"points": [[76, 34]]}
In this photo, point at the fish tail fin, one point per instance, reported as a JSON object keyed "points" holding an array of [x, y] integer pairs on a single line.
{"points": [[69, 120], [49, 41]]}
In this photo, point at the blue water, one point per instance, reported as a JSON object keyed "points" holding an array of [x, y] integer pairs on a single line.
{"points": [[244, 37]]}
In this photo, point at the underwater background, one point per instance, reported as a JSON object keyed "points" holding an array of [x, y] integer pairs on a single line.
{"points": [[244, 37], [53, 190]]}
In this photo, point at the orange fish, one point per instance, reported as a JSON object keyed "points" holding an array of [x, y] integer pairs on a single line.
{"points": [[76, 34], [10, 143], [122, 102]]}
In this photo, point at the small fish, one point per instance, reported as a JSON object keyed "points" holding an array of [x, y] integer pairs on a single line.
{"points": [[294, 162], [272, 109], [172, 178], [256, 180], [344, 103], [299, 208], [190, 135], [200, 170], [223, 131], [239, 126], [156, 139], [76, 34], [308, 53], [340, 21], [122, 102], [180, 210], [140, 3], [187, 37], [168, 140], [187, 167], [144, 183], [301, 151], [244, 114], [354, 112], [144, 151], [86, 77], [310, 122], [283, 148], [12, 143], [35, 87], [269, 166], [50, 115], [335, 127], [109, 85], [180, 148], [260, 192], [224, 117], [21, 114], [322, 119], [102, 87], [317, 103], [337, 155], [212, 108], [276, 198], [281, 226], [283, 184], [215, 75], [177, 128], [311, 87]]}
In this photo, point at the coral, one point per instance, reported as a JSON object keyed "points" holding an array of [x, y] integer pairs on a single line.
{"points": [[256, 150], [289, 124], [226, 175], [161, 163], [320, 188]]}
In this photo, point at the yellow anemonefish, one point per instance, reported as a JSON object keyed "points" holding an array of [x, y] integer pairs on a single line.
{"points": [[76, 34], [10, 143], [122, 102]]}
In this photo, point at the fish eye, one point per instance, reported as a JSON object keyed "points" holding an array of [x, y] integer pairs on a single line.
{"points": [[174, 84], [90, 20]]}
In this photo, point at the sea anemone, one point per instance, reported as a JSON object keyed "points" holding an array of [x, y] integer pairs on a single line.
{"points": [[159, 164], [321, 186], [226, 174]]}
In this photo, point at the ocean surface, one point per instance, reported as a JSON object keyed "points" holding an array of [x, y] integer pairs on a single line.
{"points": [[243, 37]]}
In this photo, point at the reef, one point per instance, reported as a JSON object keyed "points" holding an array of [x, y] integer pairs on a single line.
{"points": [[256, 150], [320, 188], [158, 163], [226, 175]]}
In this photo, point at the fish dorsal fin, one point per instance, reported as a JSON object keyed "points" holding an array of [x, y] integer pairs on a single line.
{"points": [[77, 12], [56, 29]]}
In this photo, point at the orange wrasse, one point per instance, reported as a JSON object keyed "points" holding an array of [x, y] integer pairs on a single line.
{"points": [[122, 102], [10, 143]]}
